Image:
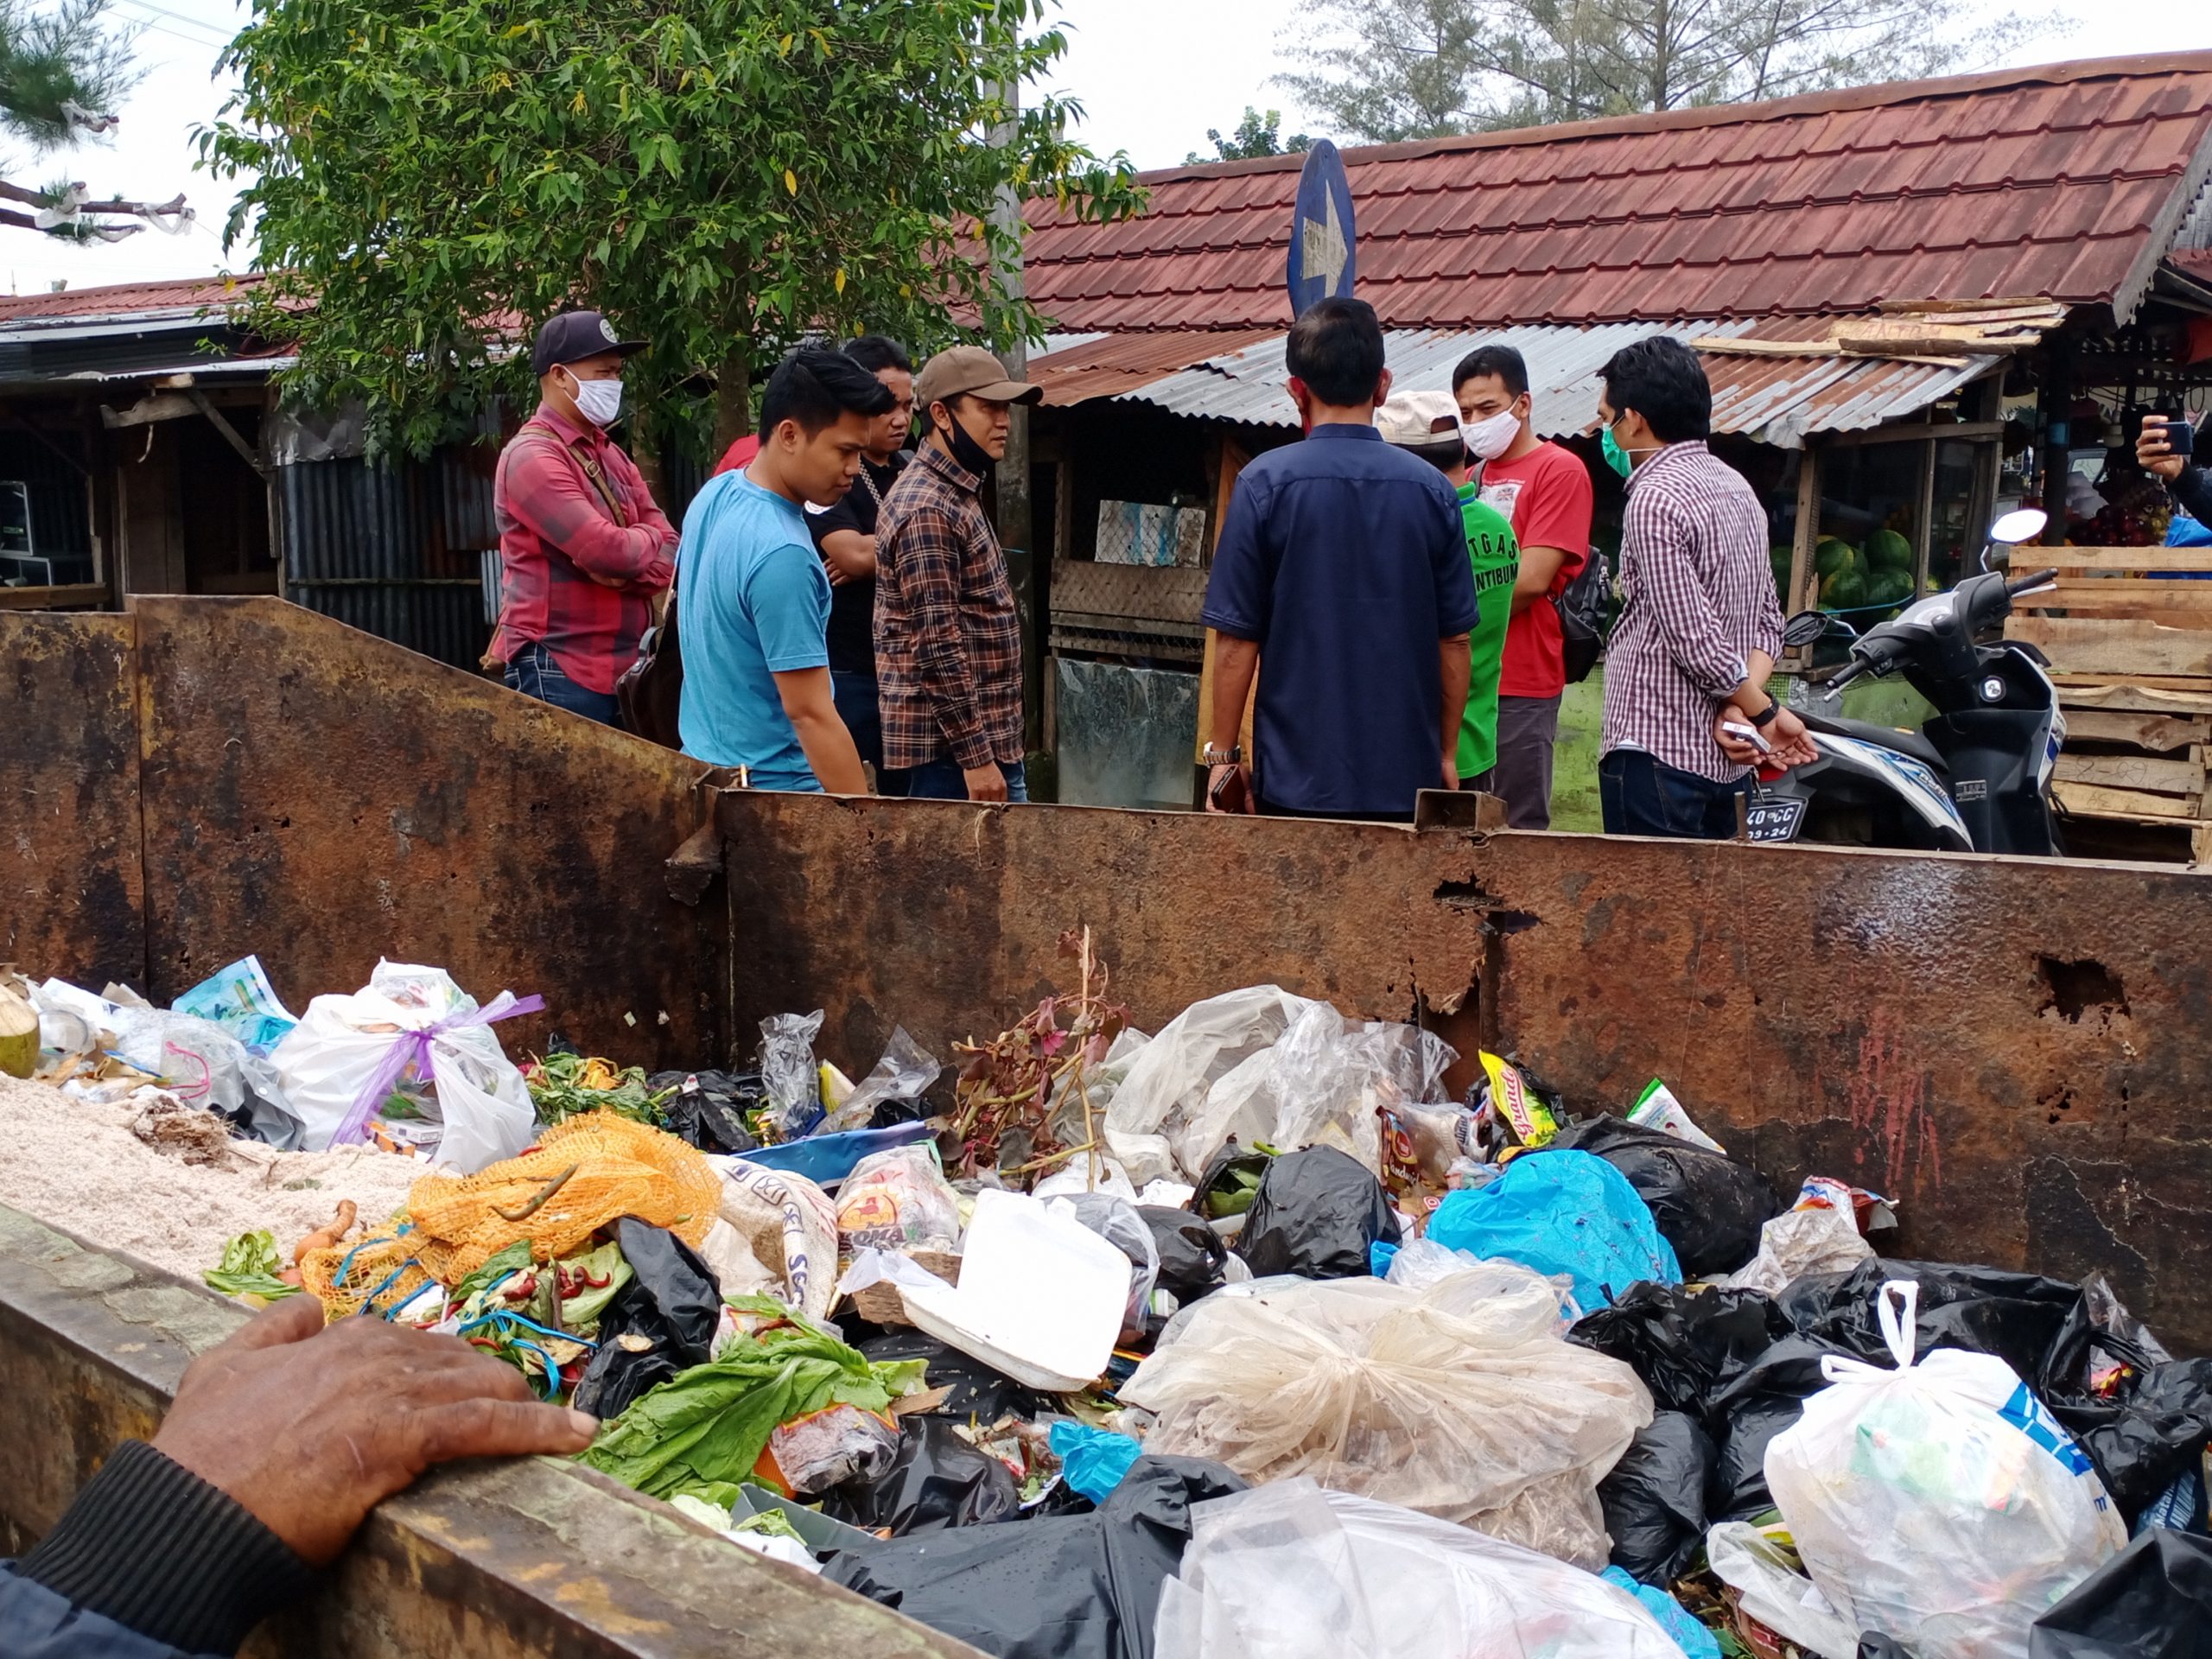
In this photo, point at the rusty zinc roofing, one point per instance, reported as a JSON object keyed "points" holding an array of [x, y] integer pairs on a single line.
{"points": [[2065, 182], [1238, 376]]}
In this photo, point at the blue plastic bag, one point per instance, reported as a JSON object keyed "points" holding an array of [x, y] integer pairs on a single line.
{"points": [[1691, 1637], [1569, 1212], [1093, 1460], [2181, 530], [825, 1160]]}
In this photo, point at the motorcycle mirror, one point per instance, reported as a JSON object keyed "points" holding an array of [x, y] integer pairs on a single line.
{"points": [[1805, 628], [2021, 524]]}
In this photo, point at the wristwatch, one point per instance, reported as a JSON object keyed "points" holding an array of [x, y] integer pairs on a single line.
{"points": [[1215, 755], [1766, 717]]}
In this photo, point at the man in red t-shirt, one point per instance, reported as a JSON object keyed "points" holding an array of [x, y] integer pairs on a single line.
{"points": [[1545, 490]]}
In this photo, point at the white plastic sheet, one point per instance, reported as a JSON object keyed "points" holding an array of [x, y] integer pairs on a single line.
{"points": [[1939, 1502], [1290, 1571], [1785, 1601], [1450, 1399]]}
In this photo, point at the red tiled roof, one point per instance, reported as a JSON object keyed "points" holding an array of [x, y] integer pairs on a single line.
{"points": [[190, 295], [2060, 182]]}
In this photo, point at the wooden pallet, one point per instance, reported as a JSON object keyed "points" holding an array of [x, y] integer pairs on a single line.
{"points": [[2131, 657]]}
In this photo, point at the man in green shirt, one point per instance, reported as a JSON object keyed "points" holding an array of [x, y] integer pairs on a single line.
{"points": [[1427, 423]]}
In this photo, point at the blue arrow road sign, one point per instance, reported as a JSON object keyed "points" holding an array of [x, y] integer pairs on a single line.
{"points": [[1324, 257]]}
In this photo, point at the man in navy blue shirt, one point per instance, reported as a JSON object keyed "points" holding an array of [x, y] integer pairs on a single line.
{"points": [[1341, 579]]}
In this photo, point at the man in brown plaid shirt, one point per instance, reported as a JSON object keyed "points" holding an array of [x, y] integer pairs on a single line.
{"points": [[947, 642]]}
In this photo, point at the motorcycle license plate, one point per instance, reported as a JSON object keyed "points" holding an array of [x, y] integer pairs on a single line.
{"points": [[1773, 817]]}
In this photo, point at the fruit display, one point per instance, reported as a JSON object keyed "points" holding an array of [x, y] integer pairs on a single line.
{"points": [[1874, 578]]}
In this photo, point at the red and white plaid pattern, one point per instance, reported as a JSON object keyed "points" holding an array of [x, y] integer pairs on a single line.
{"points": [[1700, 597], [570, 574]]}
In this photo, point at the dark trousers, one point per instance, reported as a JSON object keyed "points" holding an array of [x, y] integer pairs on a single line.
{"points": [[534, 672], [941, 780], [855, 697], [1641, 796], [1269, 810], [1527, 729]]}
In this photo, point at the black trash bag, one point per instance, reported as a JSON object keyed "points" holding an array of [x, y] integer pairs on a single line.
{"points": [[977, 1390], [1767, 1397], [1686, 1345], [1654, 1498], [711, 1116], [936, 1481], [674, 1302], [2015, 1316], [2153, 1600], [1873, 1645], [2154, 1427], [1075, 1586], [1229, 1182], [1708, 1205], [1191, 1254], [1316, 1214]]}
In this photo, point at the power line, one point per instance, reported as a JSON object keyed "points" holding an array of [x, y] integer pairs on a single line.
{"points": [[211, 37]]}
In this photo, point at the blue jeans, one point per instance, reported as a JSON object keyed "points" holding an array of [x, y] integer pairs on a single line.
{"points": [[941, 780], [534, 672], [856, 696], [1640, 795]]}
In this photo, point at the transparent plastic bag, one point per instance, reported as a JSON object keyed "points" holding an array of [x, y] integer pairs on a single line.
{"points": [[898, 1200], [788, 1070], [904, 1073], [1116, 1220], [1504, 1295], [1290, 1571], [1166, 1085], [1780, 1598], [1377, 1388], [1939, 1501]]}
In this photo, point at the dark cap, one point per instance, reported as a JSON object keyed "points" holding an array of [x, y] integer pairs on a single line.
{"points": [[574, 336], [972, 371]]}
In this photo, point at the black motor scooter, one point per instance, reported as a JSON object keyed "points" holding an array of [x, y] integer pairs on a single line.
{"points": [[1976, 778]]}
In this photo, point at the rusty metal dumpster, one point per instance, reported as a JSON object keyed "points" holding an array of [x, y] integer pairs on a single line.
{"points": [[2014, 1049]]}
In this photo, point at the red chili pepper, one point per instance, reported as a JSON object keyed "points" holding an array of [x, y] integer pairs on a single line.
{"points": [[524, 1291], [597, 1281], [482, 1342]]}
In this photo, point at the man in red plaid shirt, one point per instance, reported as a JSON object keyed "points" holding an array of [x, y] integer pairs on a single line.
{"points": [[584, 550]]}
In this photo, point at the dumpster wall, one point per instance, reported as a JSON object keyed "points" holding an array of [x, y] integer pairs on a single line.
{"points": [[2013, 1049], [203, 778]]}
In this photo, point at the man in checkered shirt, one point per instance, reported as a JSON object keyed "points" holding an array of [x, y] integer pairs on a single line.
{"points": [[1697, 636]]}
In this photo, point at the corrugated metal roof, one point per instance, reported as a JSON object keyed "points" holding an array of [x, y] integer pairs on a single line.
{"points": [[1776, 400], [117, 301], [2054, 181]]}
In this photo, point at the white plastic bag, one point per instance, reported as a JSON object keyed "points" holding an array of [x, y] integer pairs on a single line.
{"points": [[1821, 1240], [1752, 1564], [479, 1111], [791, 1227], [1166, 1085], [1505, 1295], [1469, 1408], [1291, 1571], [1938, 1502], [1263, 1064]]}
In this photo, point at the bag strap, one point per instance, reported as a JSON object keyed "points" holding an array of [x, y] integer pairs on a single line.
{"points": [[592, 470]]}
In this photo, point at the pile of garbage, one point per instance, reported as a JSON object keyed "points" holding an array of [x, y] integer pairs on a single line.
{"points": [[1239, 1338]]}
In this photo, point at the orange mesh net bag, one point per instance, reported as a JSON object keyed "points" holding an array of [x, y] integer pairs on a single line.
{"points": [[375, 1276], [581, 1175]]}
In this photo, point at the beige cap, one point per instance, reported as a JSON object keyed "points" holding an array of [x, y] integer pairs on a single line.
{"points": [[1418, 419], [971, 371]]}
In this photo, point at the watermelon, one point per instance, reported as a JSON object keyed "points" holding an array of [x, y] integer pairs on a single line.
{"points": [[1887, 550], [1888, 586], [1843, 591], [1833, 555]]}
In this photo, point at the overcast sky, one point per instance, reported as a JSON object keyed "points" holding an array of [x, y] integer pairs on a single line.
{"points": [[1153, 76]]}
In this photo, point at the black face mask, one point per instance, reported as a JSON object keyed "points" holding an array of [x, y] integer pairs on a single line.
{"points": [[965, 450]]}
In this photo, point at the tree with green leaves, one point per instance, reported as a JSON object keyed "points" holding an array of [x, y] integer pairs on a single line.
{"points": [[1255, 134], [1388, 70], [63, 70], [722, 177]]}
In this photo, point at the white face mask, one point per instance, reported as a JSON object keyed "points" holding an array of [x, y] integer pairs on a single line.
{"points": [[1491, 438], [598, 401]]}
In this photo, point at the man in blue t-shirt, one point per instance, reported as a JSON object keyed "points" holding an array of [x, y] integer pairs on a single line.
{"points": [[753, 600], [1340, 578]]}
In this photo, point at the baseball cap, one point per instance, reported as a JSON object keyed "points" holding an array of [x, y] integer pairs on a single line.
{"points": [[975, 371], [574, 335], [1417, 420]]}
